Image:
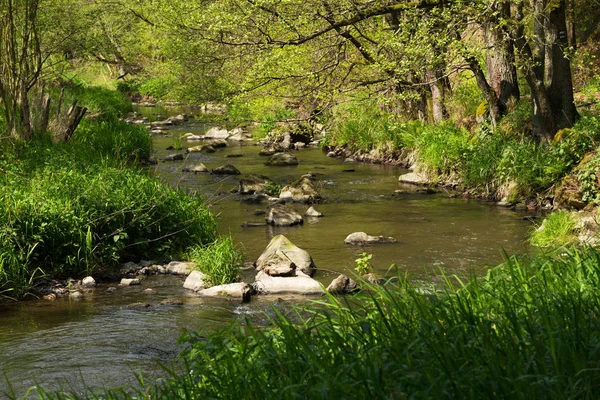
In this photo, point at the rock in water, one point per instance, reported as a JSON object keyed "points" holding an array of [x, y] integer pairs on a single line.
{"points": [[363, 238], [226, 169], [253, 183], [239, 290], [342, 284], [311, 212], [301, 190], [282, 255], [265, 284], [282, 215], [281, 159], [194, 281]]}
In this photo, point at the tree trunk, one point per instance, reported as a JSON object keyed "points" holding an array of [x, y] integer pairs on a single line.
{"points": [[501, 69], [558, 68]]}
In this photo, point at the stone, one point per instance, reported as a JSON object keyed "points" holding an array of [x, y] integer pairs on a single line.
{"points": [[342, 284], [282, 215], [331, 154], [218, 143], [180, 268], [282, 159], [276, 285], [198, 168], [281, 247], [192, 137], [311, 212], [201, 148], [129, 268], [279, 265], [363, 238], [129, 282], [252, 224], [88, 282], [239, 290], [76, 295], [414, 178], [173, 157], [234, 155], [302, 190], [238, 135], [226, 169], [267, 151], [299, 145], [253, 183], [216, 133], [110, 290], [49, 297], [194, 281]]}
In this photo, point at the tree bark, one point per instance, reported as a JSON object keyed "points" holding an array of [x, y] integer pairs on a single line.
{"points": [[501, 69]]}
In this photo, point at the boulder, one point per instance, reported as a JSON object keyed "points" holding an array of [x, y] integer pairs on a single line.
{"points": [[282, 215], [282, 159], [129, 282], [218, 143], [276, 285], [173, 157], [302, 190], [414, 178], [363, 238], [194, 281], [196, 168], [226, 169], [76, 295], [238, 135], [267, 151], [311, 212], [192, 137], [216, 133], [281, 249], [180, 268], [299, 145], [239, 290], [253, 183], [88, 282], [342, 284], [206, 148]]}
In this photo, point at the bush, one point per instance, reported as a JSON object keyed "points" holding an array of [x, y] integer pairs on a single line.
{"points": [[442, 148], [66, 217]]}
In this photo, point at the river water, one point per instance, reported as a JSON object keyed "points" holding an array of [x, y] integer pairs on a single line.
{"points": [[106, 339]]}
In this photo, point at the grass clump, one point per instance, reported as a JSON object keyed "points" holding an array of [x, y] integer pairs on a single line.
{"points": [[558, 229], [219, 261]]}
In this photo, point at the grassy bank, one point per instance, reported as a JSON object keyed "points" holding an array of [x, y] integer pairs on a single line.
{"points": [[528, 329], [69, 209]]}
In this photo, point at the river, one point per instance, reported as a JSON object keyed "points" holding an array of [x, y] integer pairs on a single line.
{"points": [[106, 339]]}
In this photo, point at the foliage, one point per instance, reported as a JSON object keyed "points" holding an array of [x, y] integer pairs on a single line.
{"points": [[558, 229], [273, 188], [526, 329], [66, 210], [220, 261], [442, 148], [363, 265]]}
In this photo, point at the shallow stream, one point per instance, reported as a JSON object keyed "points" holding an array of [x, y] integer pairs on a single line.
{"points": [[105, 339]]}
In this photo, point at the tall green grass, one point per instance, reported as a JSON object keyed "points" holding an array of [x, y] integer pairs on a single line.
{"points": [[220, 261], [528, 329]]}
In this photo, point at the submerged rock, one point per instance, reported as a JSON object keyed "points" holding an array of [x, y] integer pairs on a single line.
{"points": [[363, 238], [282, 215], [305, 285], [282, 159], [226, 169], [283, 257]]}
